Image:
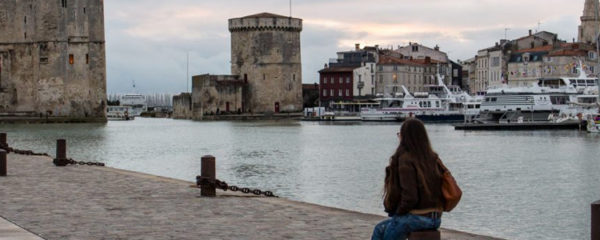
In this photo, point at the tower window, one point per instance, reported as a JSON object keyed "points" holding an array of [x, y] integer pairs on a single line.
{"points": [[83, 10], [71, 59], [64, 3], [25, 35], [25, 19], [87, 59]]}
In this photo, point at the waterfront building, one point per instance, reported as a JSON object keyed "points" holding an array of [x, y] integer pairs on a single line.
{"points": [[393, 73], [419, 53], [588, 30], [492, 64], [52, 59], [526, 66], [469, 76], [349, 77]]}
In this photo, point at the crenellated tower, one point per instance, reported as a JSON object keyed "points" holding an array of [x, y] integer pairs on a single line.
{"points": [[265, 53]]}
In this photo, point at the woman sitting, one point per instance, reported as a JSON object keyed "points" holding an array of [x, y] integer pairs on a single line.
{"points": [[413, 186]]}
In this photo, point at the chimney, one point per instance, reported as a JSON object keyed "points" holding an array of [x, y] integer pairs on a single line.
{"points": [[325, 65], [357, 46], [437, 48], [530, 32], [497, 44]]}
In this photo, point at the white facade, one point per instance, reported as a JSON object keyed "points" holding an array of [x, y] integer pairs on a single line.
{"points": [[364, 80]]}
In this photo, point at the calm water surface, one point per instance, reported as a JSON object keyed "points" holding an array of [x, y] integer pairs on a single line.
{"points": [[517, 185]]}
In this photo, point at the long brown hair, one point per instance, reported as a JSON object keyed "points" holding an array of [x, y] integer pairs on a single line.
{"points": [[414, 145]]}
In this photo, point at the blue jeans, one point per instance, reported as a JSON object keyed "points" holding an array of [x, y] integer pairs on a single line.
{"points": [[397, 227]]}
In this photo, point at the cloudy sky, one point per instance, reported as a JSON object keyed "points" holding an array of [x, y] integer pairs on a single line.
{"points": [[147, 40]]}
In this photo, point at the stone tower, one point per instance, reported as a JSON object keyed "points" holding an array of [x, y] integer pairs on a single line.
{"points": [[590, 23], [265, 52], [52, 59]]}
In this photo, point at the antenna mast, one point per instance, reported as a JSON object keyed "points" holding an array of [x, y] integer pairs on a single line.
{"points": [[187, 76]]}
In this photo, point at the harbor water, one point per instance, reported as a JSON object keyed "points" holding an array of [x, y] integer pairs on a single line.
{"points": [[517, 185]]}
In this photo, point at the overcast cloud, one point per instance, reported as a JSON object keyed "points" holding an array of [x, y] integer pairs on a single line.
{"points": [[147, 40]]}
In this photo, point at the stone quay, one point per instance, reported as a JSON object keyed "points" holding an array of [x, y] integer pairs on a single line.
{"points": [[40, 200]]}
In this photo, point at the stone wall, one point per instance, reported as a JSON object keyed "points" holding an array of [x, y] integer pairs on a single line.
{"points": [[216, 95], [52, 58], [265, 52], [182, 106]]}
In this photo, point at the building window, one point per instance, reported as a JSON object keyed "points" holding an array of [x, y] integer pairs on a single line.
{"points": [[71, 59], [331, 92], [347, 79], [25, 35], [324, 92], [340, 93], [264, 76], [341, 80], [64, 3], [324, 80], [25, 19], [83, 10], [294, 77], [415, 48], [87, 59], [592, 55]]}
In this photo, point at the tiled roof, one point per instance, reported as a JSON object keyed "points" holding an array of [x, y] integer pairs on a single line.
{"points": [[393, 60], [568, 52], [265, 15], [337, 69], [546, 48]]}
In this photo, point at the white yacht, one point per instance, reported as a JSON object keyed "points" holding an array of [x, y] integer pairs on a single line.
{"points": [[549, 99], [119, 113], [439, 104], [593, 123], [137, 102]]}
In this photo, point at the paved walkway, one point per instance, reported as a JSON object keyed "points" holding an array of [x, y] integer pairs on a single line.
{"points": [[83, 202]]}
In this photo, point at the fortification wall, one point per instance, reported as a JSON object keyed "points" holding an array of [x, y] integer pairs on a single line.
{"points": [[52, 58]]}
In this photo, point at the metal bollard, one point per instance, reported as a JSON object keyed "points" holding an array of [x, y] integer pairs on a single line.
{"points": [[596, 220], [208, 171], [3, 139], [3, 169], [61, 153]]}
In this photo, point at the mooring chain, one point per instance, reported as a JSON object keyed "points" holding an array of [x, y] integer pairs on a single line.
{"points": [[216, 183], [8, 149], [67, 161]]}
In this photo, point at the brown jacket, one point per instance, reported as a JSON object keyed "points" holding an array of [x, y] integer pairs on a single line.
{"points": [[413, 195]]}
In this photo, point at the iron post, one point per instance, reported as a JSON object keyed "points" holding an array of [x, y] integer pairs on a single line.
{"points": [[596, 220], [61, 153], [208, 171], [3, 169]]}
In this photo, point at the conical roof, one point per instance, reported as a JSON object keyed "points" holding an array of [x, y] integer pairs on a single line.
{"points": [[265, 15]]}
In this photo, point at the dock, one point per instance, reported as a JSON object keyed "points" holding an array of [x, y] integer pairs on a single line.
{"points": [[91, 202], [519, 126]]}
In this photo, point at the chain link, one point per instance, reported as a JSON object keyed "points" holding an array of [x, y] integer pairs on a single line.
{"points": [[8, 149], [216, 183]]}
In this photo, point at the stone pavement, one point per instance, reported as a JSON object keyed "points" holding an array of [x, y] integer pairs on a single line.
{"points": [[83, 202]]}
